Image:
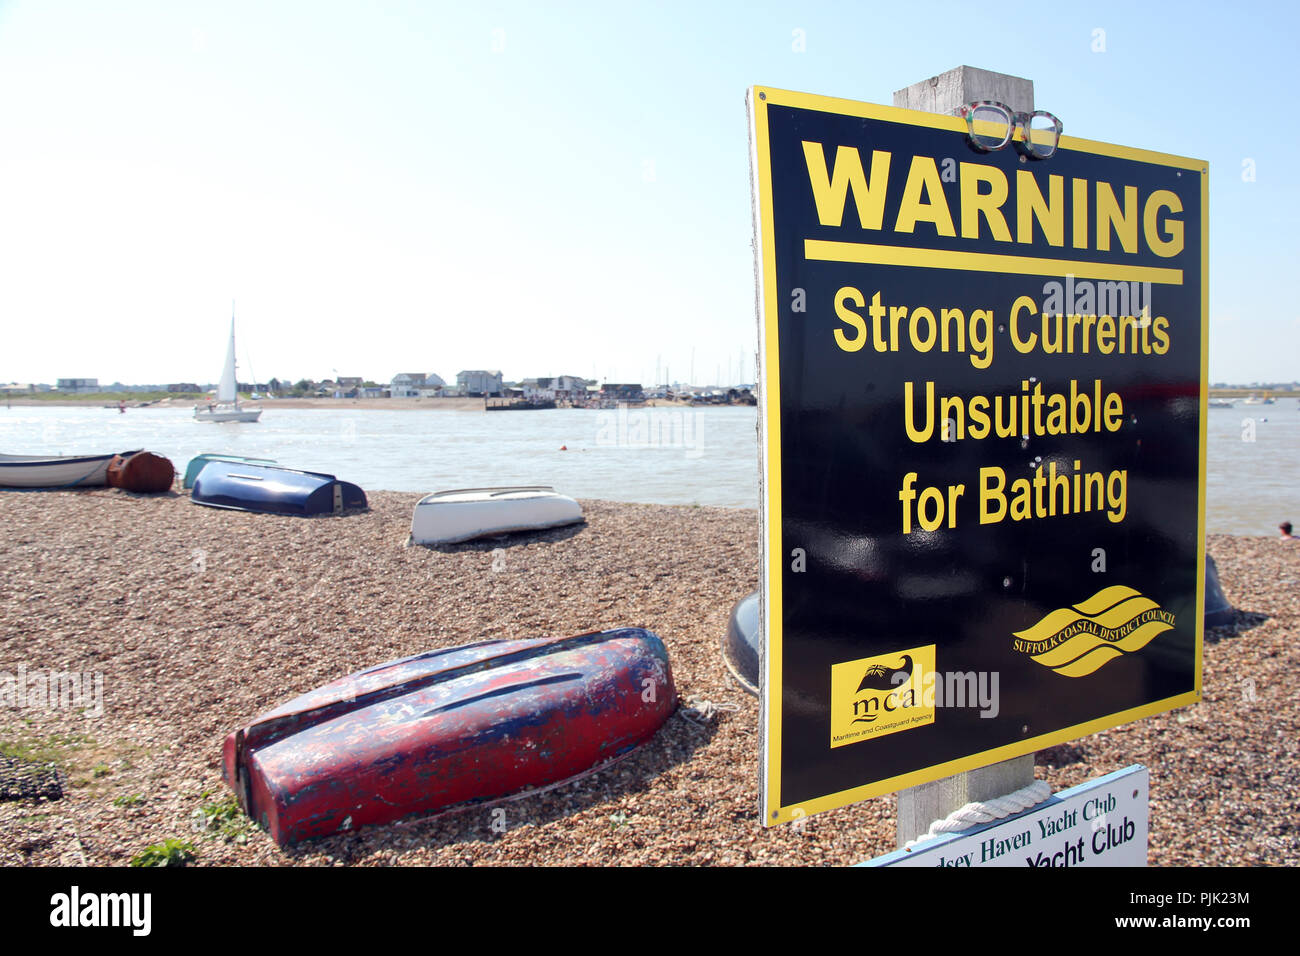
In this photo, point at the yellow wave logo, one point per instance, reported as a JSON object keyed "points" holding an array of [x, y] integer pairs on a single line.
{"points": [[1076, 641]]}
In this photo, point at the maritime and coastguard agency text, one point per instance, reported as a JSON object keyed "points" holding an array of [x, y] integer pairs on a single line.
{"points": [[1171, 920]]}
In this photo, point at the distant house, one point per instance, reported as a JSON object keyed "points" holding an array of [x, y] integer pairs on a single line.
{"points": [[478, 384], [78, 385], [416, 385], [560, 388], [348, 386], [407, 384], [570, 387]]}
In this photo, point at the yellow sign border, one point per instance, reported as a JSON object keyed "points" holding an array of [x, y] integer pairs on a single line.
{"points": [[773, 810]]}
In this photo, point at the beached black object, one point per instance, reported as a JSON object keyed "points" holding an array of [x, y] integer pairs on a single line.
{"points": [[740, 646], [1218, 612], [29, 780]]}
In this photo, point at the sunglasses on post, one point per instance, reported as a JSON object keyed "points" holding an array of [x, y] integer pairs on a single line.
{"points": [[991, 125]]}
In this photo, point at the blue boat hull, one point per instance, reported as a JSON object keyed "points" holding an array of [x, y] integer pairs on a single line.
{"points": [[283, 491], [199, 461]]}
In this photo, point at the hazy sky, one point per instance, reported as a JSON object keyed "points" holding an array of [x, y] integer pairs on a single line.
{"points": [[542, 188]]}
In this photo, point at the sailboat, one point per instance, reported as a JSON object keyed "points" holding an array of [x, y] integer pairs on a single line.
{"points": [[227, 408]]}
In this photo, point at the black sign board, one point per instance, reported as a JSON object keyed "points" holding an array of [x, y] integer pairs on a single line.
{"points": [[984, 394]]}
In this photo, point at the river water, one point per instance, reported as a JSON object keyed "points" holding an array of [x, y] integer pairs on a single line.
{"points": [[706, 456]]}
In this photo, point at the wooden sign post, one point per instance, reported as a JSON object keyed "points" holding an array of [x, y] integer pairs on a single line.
{"points": [[920, 806]]}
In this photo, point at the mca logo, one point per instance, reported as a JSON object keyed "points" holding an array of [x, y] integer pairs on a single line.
{"points": [[894, 682], [875, 696], [1077, 641]]}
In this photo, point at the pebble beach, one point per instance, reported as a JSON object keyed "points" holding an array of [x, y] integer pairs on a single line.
{"points": [[199, 619]]}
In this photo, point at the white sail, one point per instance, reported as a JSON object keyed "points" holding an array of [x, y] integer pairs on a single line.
{"points": [[226, 408], [226, 390]]}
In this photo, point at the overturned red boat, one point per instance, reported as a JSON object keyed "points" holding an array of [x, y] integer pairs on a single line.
{"points": [[448, 727], [142, 472]]}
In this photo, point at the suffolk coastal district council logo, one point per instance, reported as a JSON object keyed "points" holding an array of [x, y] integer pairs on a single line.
{"points": [[880, 695], [1077, 641]]}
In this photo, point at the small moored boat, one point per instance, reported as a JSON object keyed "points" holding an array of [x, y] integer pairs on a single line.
{"points": [[54, 471], [249, 487], [446, 728], [522, 404], [449, 517]]}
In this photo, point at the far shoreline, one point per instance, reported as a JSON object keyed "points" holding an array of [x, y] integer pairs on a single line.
{"points": [[378, 404]]}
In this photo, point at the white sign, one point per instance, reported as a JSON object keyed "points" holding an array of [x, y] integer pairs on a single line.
{"points": [[1099, 823]]}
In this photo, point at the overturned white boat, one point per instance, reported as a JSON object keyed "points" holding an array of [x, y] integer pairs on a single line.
{"points": [[54, 471], [449, 517]]}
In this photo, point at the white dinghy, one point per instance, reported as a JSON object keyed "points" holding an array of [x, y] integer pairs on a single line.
{"points": [[450, 517], [54, 471]]}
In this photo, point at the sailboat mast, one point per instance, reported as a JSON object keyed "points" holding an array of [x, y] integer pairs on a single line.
{"points": [[232, 352], [227, 391]]}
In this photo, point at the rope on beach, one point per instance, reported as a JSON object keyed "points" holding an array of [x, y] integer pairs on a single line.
{"points": [[700, 711], [973, 814]]}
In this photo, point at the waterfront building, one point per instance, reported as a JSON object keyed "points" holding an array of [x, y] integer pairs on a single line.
{"points": [[631, 392], [479, 383], [407, 384], [78, 385]]}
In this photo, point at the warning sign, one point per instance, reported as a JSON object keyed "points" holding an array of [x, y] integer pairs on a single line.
{"points": [[983, 386]]}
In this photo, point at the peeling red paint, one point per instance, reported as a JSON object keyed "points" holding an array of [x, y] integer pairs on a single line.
{"points": [[449, 727]]}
